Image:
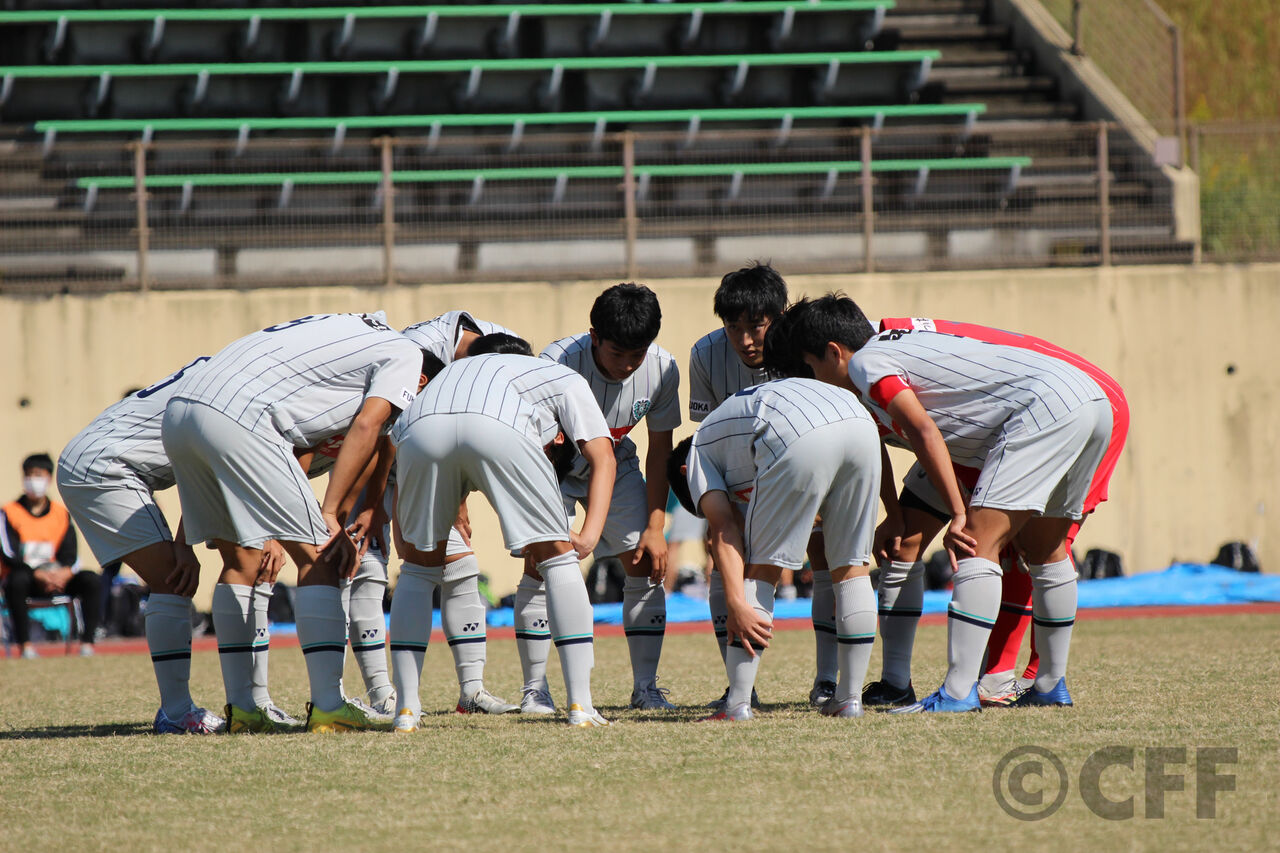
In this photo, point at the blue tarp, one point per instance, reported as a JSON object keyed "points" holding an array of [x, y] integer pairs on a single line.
{"points": [[1185, 584]]}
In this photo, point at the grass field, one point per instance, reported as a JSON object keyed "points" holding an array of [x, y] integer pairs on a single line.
{"points": [[79, 770]]}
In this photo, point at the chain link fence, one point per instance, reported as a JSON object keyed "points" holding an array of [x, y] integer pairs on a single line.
{"points": [[1239, 169]]}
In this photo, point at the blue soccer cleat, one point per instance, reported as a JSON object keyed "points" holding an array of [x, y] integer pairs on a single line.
{"points": [[1058, 696], [940, 701]]}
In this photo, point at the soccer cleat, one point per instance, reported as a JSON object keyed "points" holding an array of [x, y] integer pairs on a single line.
{"points": [[29, 653], [1000, 696], [1058, 696], [86, 650], [197, 721], [371, 712], [851, 707], [822, 693], [406, 722], [256, 721], [884, 693], [283, 721], [537, 700], [718, 704], [586, 718], [940, 701], [387, 707], [484, 702], [347, 718], [736, 714], [651, 697]]}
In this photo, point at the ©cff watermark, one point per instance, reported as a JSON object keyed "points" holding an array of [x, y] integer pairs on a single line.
{"points": [[1031, 782]]}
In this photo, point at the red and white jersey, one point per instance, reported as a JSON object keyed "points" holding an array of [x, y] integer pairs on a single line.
{"points": [[716, 373], [973, 390], [307, 379], [440, 336], [652, 392]]}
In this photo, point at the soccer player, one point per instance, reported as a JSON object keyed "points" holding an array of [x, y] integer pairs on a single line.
{"points": [[924, 515], [462, 611], [487, 424], [108, 475], [1037, 428], [791, 449], [633, 379], [231, 431]]}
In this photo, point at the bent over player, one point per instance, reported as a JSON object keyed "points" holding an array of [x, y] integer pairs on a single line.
{"points": [[231, 431], [790, 449], [487, 424]]}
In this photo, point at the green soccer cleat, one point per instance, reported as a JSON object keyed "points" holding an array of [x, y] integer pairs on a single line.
{"points": [[347, 718], [256, 721]]}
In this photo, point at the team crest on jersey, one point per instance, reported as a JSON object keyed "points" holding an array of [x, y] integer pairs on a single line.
{"points": [[640, 408]]}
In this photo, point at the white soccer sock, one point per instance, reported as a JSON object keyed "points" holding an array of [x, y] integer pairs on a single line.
{"points": [[1053, 603], [570, 616], [462, 613], [740, 666], [719, 612], [233, 624], [367, 630], [975, 603], [856, 632], [644, 619], [901, 600], [533, 637], [322, 633], [261, 643], [824, 626], [168, 627], [411, 631]]}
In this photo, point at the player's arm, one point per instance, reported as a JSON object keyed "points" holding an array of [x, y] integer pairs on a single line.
{"points": [[371, 516], [888, 536], [930, 448], [357, 450], [604, 468], [728, 549], [652, 540]]}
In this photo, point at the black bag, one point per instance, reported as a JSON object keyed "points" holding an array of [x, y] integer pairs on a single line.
{"points": [[604, 581], [1100, 563], [1238, 556]]}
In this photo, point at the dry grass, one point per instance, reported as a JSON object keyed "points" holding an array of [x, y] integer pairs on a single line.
{"points": [[79, 771]]}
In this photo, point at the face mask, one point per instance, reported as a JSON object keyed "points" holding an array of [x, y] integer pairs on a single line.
{"points": [[35, 487]]}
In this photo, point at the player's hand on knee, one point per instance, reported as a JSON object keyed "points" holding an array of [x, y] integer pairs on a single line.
{"points": [[529, 567], [654, 545], [888, 539], [581, 546], [184, 580], [272, 561], [749, 627], [957, 540]]}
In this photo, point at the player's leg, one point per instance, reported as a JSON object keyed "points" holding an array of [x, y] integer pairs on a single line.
{"points": [[999, 683], [462, 614], [741, 665], [823, 615], [362, 599], [411, 606], [533, 642]]}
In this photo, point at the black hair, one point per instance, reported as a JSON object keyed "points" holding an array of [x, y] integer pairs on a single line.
{"points": [[678, 480], [627, 315], [813, 323], [562, 457], [780, 357], [499, 343], [431, 366], [752, 293], [39, 461]]}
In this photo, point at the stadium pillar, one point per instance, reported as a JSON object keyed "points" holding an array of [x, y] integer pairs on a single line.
{"points": [[388, 214], [140, 199], [868, 211], [1104, 196], [629, 200]]}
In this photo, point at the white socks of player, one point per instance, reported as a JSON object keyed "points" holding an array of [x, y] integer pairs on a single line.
{"points": [[855, 632], [261, 603], [975, 603], [411, 631], [233, 624], [644, 619], [168, 626], [1053, 603], [824, 626], [570, 616], [901, 600], [367, 630], [740, 666], [533, 637], [322, 633], [719, 612], [462, 615]]}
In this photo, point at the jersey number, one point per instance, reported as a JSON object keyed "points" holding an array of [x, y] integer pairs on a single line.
{"points": [[310, 318], [165, 383]]}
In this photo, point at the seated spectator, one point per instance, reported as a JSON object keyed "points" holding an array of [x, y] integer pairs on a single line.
{"points": [[38, 543]]}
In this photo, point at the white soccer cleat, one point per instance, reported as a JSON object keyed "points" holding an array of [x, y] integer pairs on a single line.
{"points": [[387, 707], [86, 650], [586, 718], [280, 718], [651, 697], [197, 721], [537, 701], [484, 702], [848, 708], [371, 712], [406, 722], [736, 714]]}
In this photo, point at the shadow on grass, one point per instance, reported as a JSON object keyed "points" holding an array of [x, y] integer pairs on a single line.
{"points": [[99, 730]]}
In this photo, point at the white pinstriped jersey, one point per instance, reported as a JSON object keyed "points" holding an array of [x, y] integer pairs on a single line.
{"points": [[532, 395], [716, 373], [440, 336], [970, 388], [127, 435], [750, 431], [308, 378]]}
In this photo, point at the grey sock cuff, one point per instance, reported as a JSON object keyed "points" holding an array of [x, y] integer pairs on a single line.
{"points": [[1050, 575], [429, 574]]}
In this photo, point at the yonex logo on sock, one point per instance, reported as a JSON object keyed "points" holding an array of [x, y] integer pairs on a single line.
{"points": [[539, 623], [260, 632], [370, 634], [471, 626], [658, 620]]}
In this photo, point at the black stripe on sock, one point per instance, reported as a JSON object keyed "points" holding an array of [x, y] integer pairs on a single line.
{"points": [[972, 621], [645, 632], [1045, 624], [737, 644], [521, 635], [855, 641], [402, 647], [234, 650], [573, 641], [340, 648], [367, 647], [826, 629], [457, 641], [900, 611], [721, 633], [171, 656]]}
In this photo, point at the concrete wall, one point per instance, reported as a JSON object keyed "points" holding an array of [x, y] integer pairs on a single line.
{"points": [[1193, 347]]}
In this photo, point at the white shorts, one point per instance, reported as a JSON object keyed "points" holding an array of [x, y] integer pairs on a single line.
{"points": [[445, 457], [833, 471], [628, 508], [116, 515], [236, 484], [1049, 471]]}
